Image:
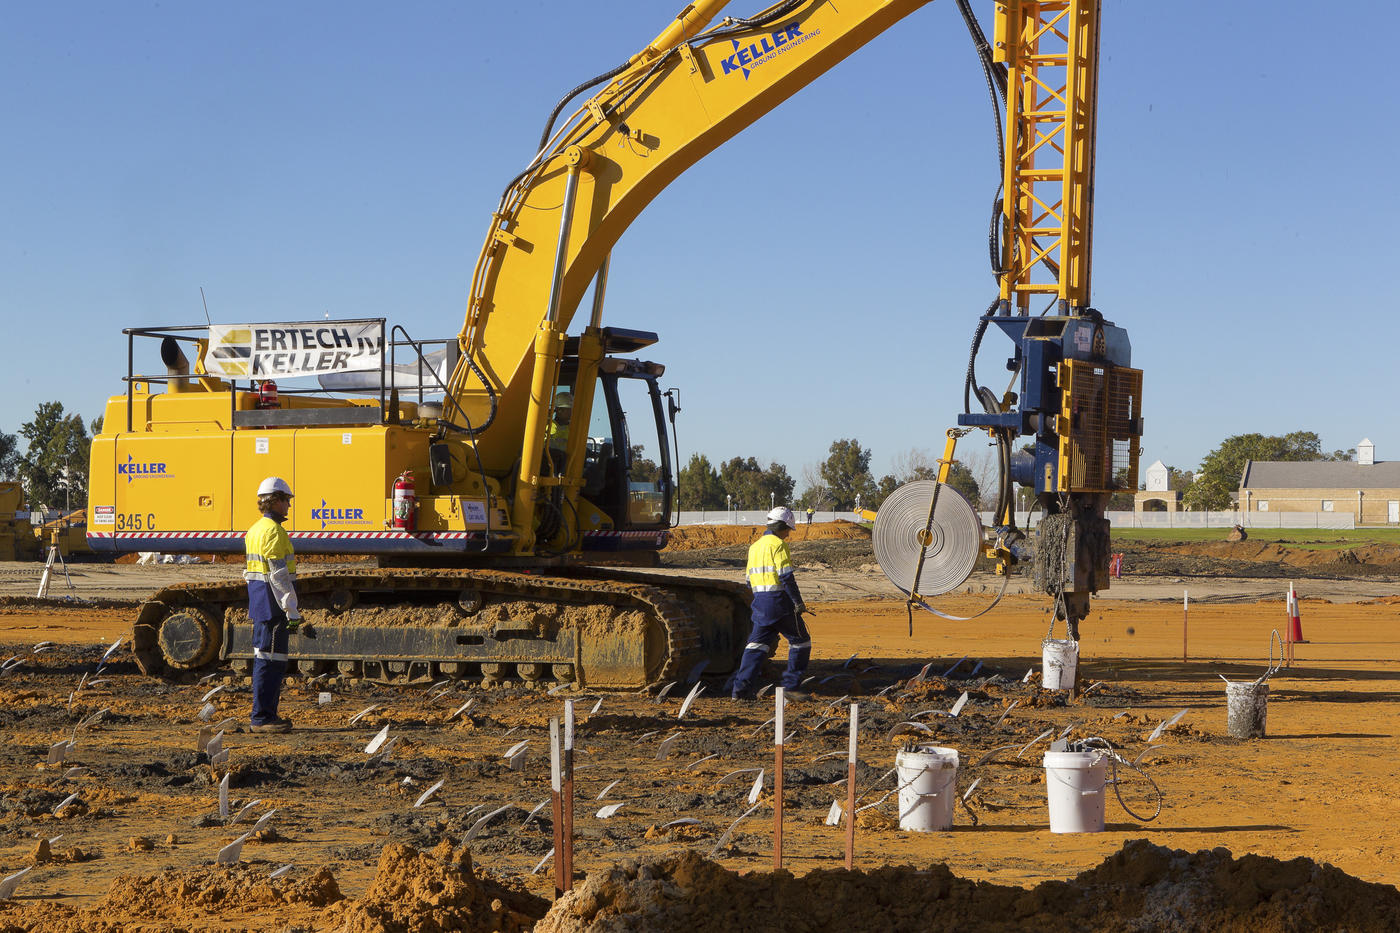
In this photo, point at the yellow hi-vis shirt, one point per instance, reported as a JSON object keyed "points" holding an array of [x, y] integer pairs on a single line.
{"points": [[270, 570], [769, 561]]}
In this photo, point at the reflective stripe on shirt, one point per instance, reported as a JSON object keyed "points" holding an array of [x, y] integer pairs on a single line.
{"points": [[769, 561]]}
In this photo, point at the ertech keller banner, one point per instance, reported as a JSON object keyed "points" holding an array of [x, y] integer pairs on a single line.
{"points": [[315, 348]]}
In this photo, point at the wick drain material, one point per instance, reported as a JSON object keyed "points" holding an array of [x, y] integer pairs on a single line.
{"points": [[953, 541]]}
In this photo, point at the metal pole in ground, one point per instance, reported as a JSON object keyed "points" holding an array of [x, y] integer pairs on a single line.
{"points": [[555, 807], [851, 790], [778, 779], [568, 795]]}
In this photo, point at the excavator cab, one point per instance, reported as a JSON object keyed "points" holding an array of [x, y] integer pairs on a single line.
{"points": [[628, 475]]}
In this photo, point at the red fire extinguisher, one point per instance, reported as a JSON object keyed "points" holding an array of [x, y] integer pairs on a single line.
{"points": [[405, 503], [267, 394]]}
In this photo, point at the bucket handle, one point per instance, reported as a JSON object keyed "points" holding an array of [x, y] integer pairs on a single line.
{"points": [[1274, 666]]}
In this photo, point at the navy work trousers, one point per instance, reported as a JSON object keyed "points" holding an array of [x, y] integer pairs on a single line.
{"points": [[269, 666], [763, 641]]}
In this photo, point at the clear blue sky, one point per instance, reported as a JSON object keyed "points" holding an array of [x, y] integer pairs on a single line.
{"points": [[817, 277]]}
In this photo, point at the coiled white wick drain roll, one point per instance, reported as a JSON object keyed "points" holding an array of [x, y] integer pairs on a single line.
{"points": [[954, 539]]}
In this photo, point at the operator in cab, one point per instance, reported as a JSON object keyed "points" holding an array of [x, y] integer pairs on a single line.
{"points": [[557, 432], [272, 601], [777, 608]]}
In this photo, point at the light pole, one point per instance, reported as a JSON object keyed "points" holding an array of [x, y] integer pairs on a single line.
{"points": [[772, 496], [729, 506]]}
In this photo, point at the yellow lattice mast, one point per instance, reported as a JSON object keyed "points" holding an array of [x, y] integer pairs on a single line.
{"points": [[1050, 49]]}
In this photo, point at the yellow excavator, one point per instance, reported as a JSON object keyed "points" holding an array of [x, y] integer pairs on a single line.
{"points": [[499, 478]]}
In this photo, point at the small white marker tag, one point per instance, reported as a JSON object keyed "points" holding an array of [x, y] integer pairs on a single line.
{"points": [[664, 750], [363, 713], [228, 855], [757, 789], [262, 822], [8, 885], [376, 743], [423, 797]]}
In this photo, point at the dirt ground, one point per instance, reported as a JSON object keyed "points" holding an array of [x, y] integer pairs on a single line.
{"points": [[135, 848]]}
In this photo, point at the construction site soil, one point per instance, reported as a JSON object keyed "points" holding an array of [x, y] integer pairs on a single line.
{"points": [[1299, 830]]}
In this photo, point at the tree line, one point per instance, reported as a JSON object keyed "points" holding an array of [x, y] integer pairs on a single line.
{"points": [[838, 483], [53, 464], [1213, 486]]}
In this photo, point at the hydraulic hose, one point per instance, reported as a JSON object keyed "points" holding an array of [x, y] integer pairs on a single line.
{"points": [[564, 101], [971, 379]]}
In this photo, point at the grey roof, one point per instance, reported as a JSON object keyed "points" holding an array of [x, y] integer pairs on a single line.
{"points": [[1320, 474]]}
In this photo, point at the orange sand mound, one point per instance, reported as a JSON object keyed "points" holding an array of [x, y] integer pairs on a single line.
{"points": [[699, 537]]}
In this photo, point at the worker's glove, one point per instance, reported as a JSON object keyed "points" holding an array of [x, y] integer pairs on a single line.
{"points": [[293, 624]]}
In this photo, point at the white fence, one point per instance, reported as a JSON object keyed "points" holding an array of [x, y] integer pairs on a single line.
{"points": [[1344, 521]]}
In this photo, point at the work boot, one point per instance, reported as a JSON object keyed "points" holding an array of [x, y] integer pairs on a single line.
{"points": [[275, 725]]}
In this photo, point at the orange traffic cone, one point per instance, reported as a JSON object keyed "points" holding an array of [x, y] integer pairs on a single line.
{"points": [[1295, 622]]}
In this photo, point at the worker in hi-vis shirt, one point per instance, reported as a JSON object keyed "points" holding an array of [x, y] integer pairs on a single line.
{"points": [[777, 608], [271, 573]]}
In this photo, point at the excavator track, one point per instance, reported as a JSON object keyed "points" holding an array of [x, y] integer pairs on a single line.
{"points": [[597, 629]]}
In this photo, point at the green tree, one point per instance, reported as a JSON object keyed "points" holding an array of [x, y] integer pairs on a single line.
{"points": [[961, 479], [644, 469], [9, 456], [1223, 468], [883, 489], [754, 487], [1208, 494], [55, 466], [846, 473], [700, 487]]}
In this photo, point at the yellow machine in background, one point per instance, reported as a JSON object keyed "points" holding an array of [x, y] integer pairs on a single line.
{"points": [[453, 462], [17, 540]]}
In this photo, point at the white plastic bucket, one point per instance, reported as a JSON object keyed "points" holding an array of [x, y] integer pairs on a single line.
{"points": [[928, 782], [1074, 787], [1058, 658], [1247, 708]]}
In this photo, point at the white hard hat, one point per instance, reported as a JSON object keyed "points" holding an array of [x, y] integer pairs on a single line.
{"points": [[564, 399], [274, 484], [782, 514]]}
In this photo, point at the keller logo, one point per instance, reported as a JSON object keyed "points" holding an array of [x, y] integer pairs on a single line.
{"points": [[134, 468], [327, 515], [750, 56]]}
